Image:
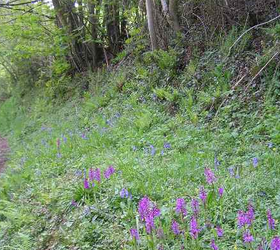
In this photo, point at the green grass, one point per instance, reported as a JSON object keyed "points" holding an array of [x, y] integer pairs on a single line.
{"points": [[109, 126]]}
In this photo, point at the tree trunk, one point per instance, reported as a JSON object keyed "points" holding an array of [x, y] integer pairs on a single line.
{"points": [[69, 20], [112, 23], [164, 7], [173, 12], [151, 24], [123, 30], [93, 31]]}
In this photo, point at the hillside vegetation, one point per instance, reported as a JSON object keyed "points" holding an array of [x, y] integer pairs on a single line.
{"points": [[171, 148]]}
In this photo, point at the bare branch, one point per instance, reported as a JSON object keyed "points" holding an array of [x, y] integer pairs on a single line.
{"points": [[261, 70], [12, 4], [254, 27]]}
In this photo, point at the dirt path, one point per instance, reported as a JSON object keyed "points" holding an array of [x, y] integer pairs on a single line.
{"points": [[4, 148]]}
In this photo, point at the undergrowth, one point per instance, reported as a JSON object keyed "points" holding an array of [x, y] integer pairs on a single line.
{"points": [[161, 131]]}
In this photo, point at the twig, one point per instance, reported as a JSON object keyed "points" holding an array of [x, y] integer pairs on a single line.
{"points": [[254, 27], [233, 87], [239, 81], [106, 58], [200, 19], [17, 4], [261, 70]]}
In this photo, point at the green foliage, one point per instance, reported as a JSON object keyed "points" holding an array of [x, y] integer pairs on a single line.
{"points": [[274, 31], [124, 120], [136, 43], [11, 115], [228, 41], [99, 132], [171, 95], [31, 47], [143, 120], [165, 60]]}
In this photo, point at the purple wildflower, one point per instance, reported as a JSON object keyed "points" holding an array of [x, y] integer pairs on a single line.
{"points": [[246, 218], [153, 150], [231, 171], [91, 174], [247, 237], [255, 162], [220, 231], [275, 243], [86, 184], [167, 145], [144, 206], [97, 174], [210, 177], [124, 193], [271, 221], [213, 245], [202, 194], [86, 211], [43, 128], [59, 155], [270, 145], [160, 247], [216, 162], [74, 203], [148, 211], [175, 227], [221, 191], [181, 206], [241, 219], [250, 214], [150, 223], [109, 171], [83, 136], [112, 169], [194, 228], [195, 206], [58, 143], [78, 173], [134, 234], [155, 211]]}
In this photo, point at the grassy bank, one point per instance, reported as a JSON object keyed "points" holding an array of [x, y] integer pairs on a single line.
{"points": [[159, 129]]}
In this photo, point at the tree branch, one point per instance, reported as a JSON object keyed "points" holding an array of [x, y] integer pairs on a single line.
{"points": [[12, 4], [254, 27]]}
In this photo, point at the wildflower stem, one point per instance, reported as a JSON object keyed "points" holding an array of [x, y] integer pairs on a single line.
{"points": [[152, 241], [197, 245], [135, 244]]}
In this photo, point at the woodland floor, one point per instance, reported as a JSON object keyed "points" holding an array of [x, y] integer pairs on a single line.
{"points": [[4, 148]]}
